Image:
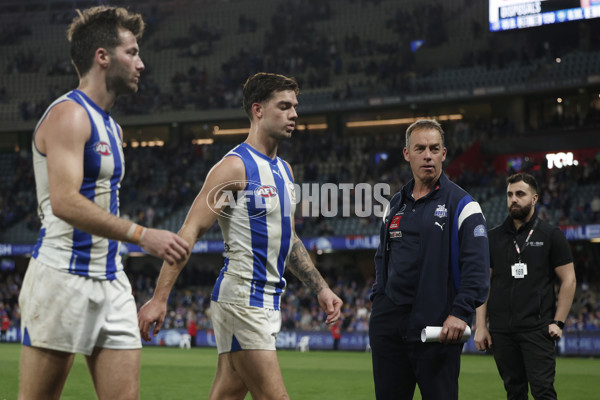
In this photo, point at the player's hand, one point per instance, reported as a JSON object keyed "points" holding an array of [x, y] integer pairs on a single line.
{"points": [[331, 304], [554, 331], [483, 339], [165, 245], [452, 330], [153, 312]]}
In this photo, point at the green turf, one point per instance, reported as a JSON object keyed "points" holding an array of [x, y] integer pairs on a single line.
{"points": [[171, 373]]}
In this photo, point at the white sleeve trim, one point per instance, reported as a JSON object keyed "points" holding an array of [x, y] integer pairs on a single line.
{"points": [[385, 213], [470, 209]]}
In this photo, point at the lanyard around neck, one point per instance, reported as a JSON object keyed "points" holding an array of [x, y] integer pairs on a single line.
{"points": [[519, 252]]}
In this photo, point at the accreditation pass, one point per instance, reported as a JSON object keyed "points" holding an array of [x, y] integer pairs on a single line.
{"points": [[519, 270]]}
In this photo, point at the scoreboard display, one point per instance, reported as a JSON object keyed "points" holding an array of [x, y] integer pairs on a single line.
{"points": [[518, 14]]}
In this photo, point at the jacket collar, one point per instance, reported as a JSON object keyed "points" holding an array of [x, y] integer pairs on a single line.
{"points": [[408, 188]]}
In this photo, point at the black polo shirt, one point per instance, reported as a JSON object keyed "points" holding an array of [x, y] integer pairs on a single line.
{"points": [[528, 303]]}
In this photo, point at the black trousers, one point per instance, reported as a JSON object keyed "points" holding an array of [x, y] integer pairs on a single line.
{"points": [[399, 365], [526, 358]]}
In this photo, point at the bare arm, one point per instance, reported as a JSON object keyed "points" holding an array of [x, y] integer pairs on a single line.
{"points": [[62, 137], [301, 265], [200, 218], [483, 339], [566, 275]]}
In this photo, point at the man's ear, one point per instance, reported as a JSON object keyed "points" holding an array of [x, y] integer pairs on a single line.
{"points": [[102, 57], [257, 110]]}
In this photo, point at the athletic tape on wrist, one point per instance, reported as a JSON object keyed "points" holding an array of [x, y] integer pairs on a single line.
{"points": [[135, 233]]}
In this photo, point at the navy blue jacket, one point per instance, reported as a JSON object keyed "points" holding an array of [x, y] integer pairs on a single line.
{"points": [[454, 272]]}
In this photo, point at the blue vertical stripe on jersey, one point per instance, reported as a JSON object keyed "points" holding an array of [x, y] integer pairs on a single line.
{"points": [[40, 240], [285, 206], [258, 228], [82, 241], [113, 245], [217, 288], [455, 242]]}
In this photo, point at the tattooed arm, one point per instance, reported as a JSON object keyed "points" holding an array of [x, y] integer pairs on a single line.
{"points": [[300, 264]]}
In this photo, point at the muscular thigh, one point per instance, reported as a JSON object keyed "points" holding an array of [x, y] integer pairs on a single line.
{"points": [[115, 373], [260, 372]]}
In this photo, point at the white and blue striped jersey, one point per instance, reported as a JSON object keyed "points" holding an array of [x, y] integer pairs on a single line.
{"points": [[257, 229], [60, 245]]}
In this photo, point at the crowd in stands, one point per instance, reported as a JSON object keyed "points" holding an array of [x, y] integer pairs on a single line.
{"points": [[310, 52], [10, 286], [161, 181], [299, 307], [17, 195], [13, 32]]}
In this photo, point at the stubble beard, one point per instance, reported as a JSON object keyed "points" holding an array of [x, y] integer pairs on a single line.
{"points": [[117, 82]]}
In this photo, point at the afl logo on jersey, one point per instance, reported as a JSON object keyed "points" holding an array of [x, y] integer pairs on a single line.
{"points": [[103, 149], [266, 191]]}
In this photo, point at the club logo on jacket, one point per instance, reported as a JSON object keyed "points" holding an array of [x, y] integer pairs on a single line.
{"points": [[441, 211], [395, 222], [103, 148], [480, 231]]}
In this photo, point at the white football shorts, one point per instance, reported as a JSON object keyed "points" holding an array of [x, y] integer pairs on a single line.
{"points": [[74, 314], [239, 327]]}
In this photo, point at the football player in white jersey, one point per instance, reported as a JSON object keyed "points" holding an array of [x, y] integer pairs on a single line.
{"points": [[76, 297], [260, 241]]}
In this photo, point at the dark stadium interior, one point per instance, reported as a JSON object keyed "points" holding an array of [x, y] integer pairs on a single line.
{"points": [[508, 101]]}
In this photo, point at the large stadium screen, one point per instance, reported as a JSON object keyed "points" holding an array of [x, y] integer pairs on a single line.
{"points": [[518, 14]]}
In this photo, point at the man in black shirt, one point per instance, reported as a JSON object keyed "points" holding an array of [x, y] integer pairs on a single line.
{"points": [[525, 318]]}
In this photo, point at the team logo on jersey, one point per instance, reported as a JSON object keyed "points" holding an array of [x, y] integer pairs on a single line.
{"points": [[441, 211], [266, 191], [103, 148], [255, 199]]}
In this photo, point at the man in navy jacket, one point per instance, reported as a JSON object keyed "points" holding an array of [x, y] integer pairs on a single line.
{"points": [[432, 269]]}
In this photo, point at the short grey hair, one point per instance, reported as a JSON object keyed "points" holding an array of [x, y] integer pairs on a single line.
{"points": [[424, 124]]}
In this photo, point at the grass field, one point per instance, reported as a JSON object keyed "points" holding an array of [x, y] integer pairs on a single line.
{"points": [[172, 373]]}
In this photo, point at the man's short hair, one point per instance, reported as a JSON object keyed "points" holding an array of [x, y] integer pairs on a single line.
{"points": [[260, 87], [98, 27], [525, 177], [424, 124]]}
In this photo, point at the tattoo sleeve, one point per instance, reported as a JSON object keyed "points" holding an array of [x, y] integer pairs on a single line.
{"points": [[302, 266]]}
